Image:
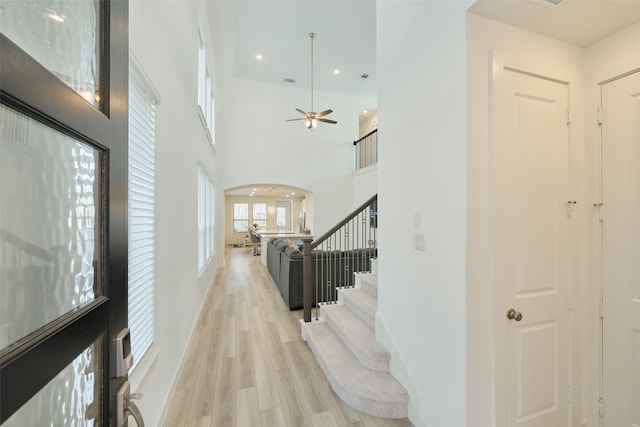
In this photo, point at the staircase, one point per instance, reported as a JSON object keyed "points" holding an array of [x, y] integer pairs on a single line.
{"points": [[356, 365]]}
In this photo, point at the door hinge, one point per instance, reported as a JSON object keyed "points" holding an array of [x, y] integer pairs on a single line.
{"points": [[599, 117], [601, 407], [570, 394], [568, 117]]}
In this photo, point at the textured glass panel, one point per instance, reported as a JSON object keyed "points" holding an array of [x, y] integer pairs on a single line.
{"points": [[72, 398], [62, 35], [49, 221]]}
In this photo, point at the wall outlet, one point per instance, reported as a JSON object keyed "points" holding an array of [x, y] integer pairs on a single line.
{"points": [[418, 242]]}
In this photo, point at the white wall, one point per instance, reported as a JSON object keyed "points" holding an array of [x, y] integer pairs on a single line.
{"points": [[608, 58], [260, 146], [170, 60], [368, 125], [365, 184], [422, 101]]}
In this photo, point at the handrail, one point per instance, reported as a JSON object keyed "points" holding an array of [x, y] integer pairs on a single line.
{"points": [[340, 224], [310, 244], [365, 137], [366, 150]]}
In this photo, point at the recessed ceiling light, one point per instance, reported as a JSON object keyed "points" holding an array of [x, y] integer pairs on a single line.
{"points": [[364, 111], [259, 57], [336, 71]]}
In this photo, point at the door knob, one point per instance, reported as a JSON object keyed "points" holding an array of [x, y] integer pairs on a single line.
{"points": [[514, 315]]}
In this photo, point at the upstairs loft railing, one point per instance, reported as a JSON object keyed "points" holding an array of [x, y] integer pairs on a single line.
{"points": [[366, 150], [330, 260]]}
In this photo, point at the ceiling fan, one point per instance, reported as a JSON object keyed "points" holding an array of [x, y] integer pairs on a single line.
{"points": [[312, 118]]}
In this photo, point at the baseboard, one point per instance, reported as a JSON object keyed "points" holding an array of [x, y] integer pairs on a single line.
{"points": [[397, 367]]}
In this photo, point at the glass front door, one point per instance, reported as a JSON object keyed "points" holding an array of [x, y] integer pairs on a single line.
{"points": [[63, 241]]}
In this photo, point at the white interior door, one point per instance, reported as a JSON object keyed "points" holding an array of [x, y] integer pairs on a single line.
{"points": [[620, 214], [532, 255]]}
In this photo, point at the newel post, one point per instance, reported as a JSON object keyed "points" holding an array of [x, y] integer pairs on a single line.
{"points": [[307, 293]]}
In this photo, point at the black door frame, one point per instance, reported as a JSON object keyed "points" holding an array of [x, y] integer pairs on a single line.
{"points": [[28, 87]]}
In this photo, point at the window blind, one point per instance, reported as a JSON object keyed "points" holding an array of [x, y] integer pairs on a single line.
{"points": [[202, 256], [141, 214], [206, 218]]}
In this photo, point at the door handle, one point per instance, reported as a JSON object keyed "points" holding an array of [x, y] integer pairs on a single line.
{"points": [[126, 407], [514, 315], [132, 409]]}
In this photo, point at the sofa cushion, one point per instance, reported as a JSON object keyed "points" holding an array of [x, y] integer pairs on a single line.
{"points": [[293, 252], [282, 244]]}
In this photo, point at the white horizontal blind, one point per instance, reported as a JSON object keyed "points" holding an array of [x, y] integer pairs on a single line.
{"points": [[209, 219], [202, 256], [206, 218], [141, 214]]}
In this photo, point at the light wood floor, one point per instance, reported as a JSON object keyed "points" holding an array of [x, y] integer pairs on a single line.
{"points": [[247, 365]]}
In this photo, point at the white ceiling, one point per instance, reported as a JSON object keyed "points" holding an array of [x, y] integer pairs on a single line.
{"points": [[578, 22], [279, 31]]}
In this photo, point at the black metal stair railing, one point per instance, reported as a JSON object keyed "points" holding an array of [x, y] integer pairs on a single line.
{"points": [[366, 150], [330, 261]]}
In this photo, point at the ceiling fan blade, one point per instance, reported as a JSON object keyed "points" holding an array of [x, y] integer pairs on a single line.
{"points": [[324, 113], [293, 120], [302, 112], [326, 121]]}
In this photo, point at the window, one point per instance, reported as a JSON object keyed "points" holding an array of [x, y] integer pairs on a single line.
{"points": [[206, 218], [206, 100], [240, 217], [260, 215], [142, 104], [281, 217]]}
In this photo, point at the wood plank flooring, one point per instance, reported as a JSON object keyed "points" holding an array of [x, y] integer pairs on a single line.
{"points": [[247, 365]]}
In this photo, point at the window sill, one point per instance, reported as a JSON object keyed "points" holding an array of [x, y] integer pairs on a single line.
{"points": [[206, 129], [137, 377]]}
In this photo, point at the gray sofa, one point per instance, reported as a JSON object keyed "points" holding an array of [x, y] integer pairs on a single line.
{"points": [[331, 269]]}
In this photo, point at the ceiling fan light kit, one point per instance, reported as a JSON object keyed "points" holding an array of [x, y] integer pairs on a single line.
{"points": [[312, 118]]}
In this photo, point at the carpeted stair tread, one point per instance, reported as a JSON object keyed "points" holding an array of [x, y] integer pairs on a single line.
{"points": [[362, 304], [368, 282], [358, 337], [371, 392]]}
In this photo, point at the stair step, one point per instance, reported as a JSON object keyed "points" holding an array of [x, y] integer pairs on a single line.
{"points": [[358, 337], [368, 282], [362, 304], [371, 392]]}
